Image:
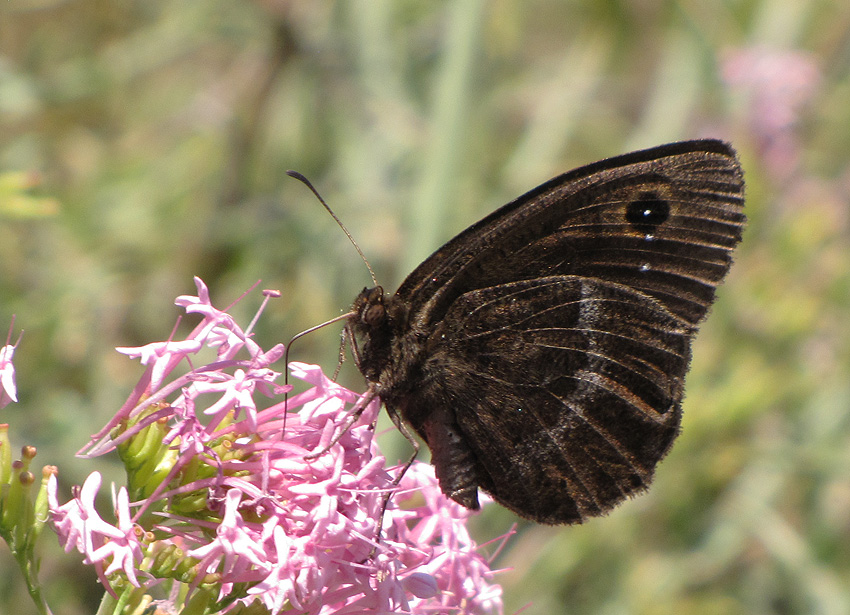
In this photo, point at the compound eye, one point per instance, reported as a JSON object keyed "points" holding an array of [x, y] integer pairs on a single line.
{"points": [[374, 314]]}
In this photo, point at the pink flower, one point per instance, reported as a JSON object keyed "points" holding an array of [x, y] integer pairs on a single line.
{"points": [[227, 499], [8, 391], [234, 549], [80, 526], [162, 356]]}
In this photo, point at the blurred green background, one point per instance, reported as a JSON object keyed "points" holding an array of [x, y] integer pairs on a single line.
{"points": [[144, 142]]}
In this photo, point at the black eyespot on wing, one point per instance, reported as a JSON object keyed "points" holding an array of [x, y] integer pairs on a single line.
{"points": [[648, 211]]}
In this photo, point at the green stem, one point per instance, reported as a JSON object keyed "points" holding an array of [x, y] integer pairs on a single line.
{"points": [[29, 568]]}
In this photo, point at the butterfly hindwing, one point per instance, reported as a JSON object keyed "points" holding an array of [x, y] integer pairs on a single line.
{"points": [[566, 391]]}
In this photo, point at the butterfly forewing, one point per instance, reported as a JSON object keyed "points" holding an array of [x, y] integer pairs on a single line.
{"points": [[542, 352], [584, 221]]}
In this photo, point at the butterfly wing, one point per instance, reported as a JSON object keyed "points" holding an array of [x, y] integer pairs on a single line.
{"points": [[564, 394], [662, 220], [541, 353]]}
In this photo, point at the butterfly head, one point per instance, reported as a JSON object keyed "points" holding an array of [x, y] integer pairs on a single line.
{"points": [[369, 322], [369, 309]]}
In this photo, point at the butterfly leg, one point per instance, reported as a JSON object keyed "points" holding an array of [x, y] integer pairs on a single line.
{"points": [[341, 360], [396, 419], [359, 408]]}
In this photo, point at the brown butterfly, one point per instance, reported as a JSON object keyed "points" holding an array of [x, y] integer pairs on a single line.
{"points": [[542, 353]]}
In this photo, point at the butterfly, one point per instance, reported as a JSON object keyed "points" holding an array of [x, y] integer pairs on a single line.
{"points": [[541, 354]]}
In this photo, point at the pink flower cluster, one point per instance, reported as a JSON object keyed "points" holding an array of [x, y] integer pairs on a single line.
{"points": [[220, 498]]}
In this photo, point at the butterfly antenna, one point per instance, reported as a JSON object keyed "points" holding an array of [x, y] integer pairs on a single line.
{"points": [[307, 183]]}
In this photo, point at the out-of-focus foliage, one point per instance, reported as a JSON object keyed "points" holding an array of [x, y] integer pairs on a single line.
{"points": [[143, 142]]}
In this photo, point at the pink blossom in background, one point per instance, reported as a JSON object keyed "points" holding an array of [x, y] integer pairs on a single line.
{"points": [[777, 84], [220, 498]]}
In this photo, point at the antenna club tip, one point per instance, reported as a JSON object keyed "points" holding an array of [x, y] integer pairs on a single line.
{"points": [[307, 183]]}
